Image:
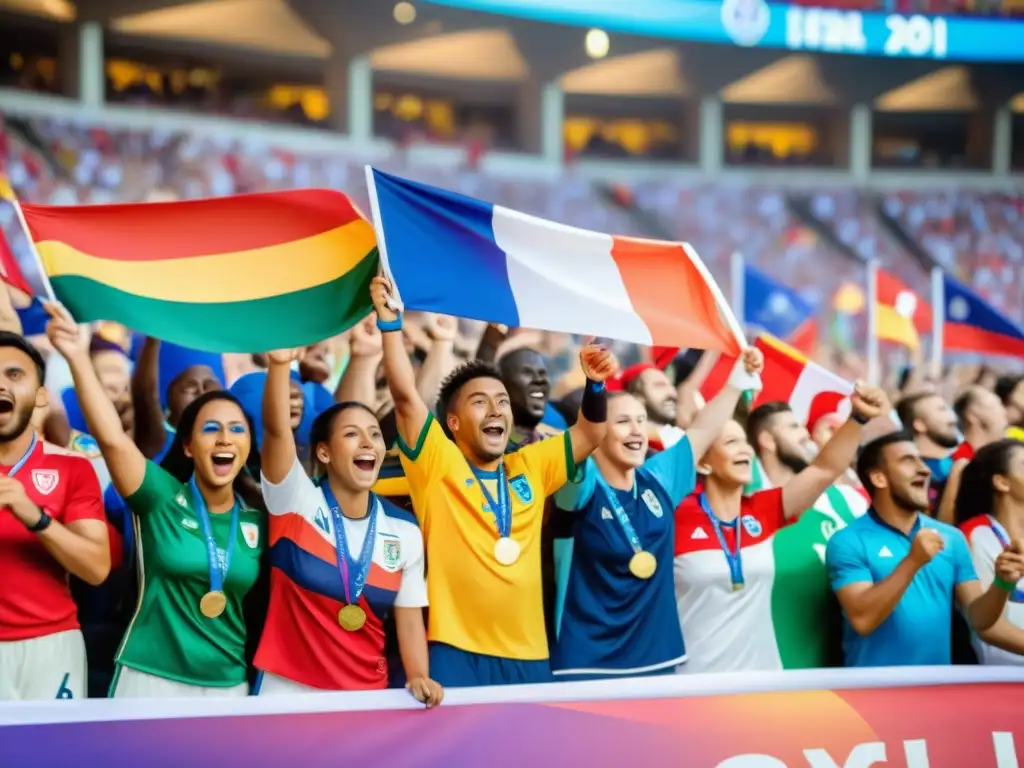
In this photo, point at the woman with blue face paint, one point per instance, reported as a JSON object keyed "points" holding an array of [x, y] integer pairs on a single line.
{"points": [[201, 533]]}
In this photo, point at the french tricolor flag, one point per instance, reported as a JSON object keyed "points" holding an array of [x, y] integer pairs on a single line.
{"points": [[458, 256]]}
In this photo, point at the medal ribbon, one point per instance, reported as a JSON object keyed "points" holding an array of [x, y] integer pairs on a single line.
{"points": [[502, 511], [619, 512], [353, 571], [218, 568], [1004, 539], [733, 559], [24, 459]]}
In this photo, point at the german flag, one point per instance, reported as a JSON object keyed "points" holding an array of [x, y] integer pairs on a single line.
{"points": [[247, 273]]}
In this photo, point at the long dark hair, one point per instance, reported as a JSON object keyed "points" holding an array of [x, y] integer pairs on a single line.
{"points": [[247, 483], [976, 495]]}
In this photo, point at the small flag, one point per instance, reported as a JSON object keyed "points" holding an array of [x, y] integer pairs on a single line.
{"points": [[459, 256], [235, 274], [973, 325], [772, 306], [10, 270], [6, 190], [901, 315], [788, 376]]}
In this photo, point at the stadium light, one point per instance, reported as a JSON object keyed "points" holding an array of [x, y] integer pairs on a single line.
{"points": [[596, 43], [405, 13]]}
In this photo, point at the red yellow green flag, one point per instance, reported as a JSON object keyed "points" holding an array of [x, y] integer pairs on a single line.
{"points": [[235, 274]]}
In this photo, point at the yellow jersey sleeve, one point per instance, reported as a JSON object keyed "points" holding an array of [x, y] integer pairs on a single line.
{"points": [[549, 461], [430, 459]]}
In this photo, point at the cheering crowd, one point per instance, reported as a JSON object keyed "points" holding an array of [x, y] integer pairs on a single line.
{"points": [[472, 505]]}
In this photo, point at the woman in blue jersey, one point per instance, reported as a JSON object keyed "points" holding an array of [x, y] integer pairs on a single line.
{"points": [[619, 617]]}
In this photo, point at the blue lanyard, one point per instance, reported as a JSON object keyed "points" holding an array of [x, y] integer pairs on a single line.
{"points": [[353, 572], [218, 567], [502, 511], [24, 459], [733, 559], [1004, 539], [619, 512]]}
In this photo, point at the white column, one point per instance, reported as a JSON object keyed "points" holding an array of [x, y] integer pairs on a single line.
{"points": [[860, 142], [712, 134], [91, 80], [360, 98], [1002, 141], [552, 123]]}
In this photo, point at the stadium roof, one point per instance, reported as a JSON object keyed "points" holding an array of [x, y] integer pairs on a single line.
{"points": [[449, 44]]}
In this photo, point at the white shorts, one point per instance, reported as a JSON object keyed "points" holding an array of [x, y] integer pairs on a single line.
{"points": [[132, 684], [272, 685], [47, 667]]}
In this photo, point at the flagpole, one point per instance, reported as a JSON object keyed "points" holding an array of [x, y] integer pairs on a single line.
{"points": [[874, 373], [737, 274], [938, 319], [50, 295]]}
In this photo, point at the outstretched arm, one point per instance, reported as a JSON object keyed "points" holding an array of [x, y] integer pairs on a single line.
{"points": [[706, 426], [125, 461], [411, 412], [277, 453], [802, 491], [599, 365], [150, 433], [359, 381]]}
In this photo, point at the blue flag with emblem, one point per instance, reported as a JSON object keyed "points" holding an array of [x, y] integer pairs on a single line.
{"points": [[773, 306]]}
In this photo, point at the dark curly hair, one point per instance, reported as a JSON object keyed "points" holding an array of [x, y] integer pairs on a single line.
{"points": [[247, 483], [456, 380]]}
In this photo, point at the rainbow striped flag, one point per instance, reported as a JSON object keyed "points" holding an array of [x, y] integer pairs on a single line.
{"points": [[247, 273]]}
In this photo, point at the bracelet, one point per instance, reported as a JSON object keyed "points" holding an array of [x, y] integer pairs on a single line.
{"points": [[387, 326], [41, 524], [594, 407], [859, 418], [1004, 585]]}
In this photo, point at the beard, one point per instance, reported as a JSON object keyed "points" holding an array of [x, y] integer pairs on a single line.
{"points": [[664, 413], [944, 439], [20, 421], [904, 502], [795, 461]]}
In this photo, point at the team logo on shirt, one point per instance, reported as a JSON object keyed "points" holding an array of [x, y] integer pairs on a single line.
{"points": [[606, 513], [751, 525], [521, 487], [181, 500], [188, 522], [320, 521], [392, 553], [652, 503], [45, 480], [251, 534]]}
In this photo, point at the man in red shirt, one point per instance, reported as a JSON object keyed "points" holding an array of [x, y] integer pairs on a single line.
{"points": [[51, 524]]}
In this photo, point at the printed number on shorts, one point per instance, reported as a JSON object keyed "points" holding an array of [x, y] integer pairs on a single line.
{"points": [[64, 692]]}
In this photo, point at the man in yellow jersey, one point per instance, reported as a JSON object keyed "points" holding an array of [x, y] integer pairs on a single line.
{"points": [[481, 511]]}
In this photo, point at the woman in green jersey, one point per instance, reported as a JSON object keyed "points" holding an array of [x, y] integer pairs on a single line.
{"points": [[201, 534]]}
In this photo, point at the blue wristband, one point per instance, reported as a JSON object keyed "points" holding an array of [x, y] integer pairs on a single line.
{"points": [[386, 326]]}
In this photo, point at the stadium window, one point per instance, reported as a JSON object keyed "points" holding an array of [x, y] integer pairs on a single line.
{"points": [[406, 114], [608, 128], [948, 140], [785, 135], [28, 58]]}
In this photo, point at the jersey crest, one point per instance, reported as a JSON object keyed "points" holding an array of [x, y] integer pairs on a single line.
{"points": [[45, 480], [521, 487], [392, 553], [251, 534], [751, 525], [181, 500], [652, 503]]}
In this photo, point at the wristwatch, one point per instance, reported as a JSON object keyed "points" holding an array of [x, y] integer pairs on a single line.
{"points": [[42, 523]]}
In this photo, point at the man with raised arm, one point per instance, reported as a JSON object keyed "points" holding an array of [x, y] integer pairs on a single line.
{"points": [[481, 510]]}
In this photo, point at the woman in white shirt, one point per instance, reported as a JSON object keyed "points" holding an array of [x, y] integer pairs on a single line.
{"points": [[990, 512]]}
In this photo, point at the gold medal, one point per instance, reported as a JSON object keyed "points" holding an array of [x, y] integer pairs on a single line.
{"points": [[351, 618], [213, 604], [506, 550], [643, 565]]}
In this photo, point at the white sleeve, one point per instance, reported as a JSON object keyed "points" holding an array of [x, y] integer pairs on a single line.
{"points": [[984, 562], [292, 494], [413, 591]]}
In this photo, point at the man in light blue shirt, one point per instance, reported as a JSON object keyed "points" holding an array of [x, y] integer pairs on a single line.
{"points": [[896, 571]]}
